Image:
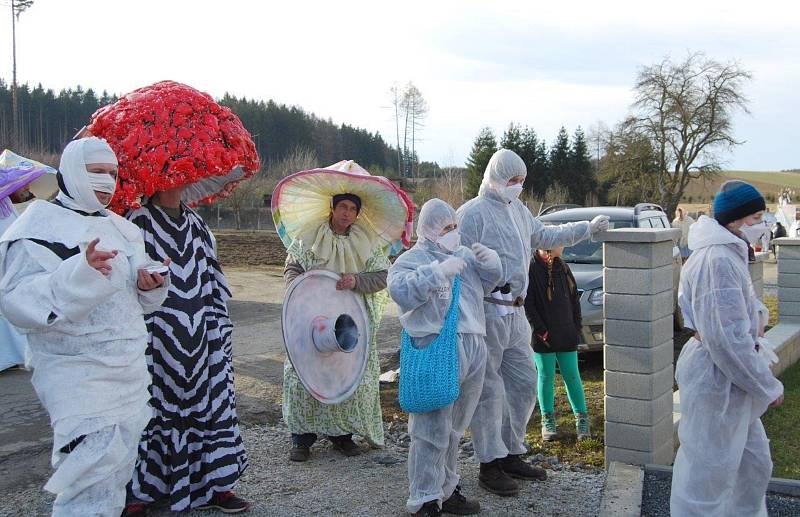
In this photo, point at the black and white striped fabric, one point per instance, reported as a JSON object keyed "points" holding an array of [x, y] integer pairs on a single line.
{"points": [[192, 447]]}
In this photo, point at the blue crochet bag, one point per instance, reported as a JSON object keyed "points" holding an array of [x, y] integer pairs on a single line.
{"points": [[429, 376]]}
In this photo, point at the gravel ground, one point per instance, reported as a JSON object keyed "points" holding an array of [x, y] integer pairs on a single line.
{"points": [[374, 483], [655, 498]]}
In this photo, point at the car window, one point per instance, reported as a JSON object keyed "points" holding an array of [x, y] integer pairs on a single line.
{"points": [[588, 252], [645, 223]]}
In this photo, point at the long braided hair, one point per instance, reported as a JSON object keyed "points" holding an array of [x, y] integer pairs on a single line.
{"points": [[549, 259]]}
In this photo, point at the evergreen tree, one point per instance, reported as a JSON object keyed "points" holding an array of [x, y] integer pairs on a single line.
{"points": [[534, 154], [582, 179], [512, 140], [559, 159], [483, 148]]}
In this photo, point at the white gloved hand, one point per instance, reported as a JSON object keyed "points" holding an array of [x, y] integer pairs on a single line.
{"points": [[598, 224], [452, 266], [483, 254]]}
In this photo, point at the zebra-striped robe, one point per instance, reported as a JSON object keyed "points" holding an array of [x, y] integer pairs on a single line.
{"points": [[192, 447]]}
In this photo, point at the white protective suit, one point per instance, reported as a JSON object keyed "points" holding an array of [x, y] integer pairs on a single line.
{"points": [[422, 292], [87, 340], [12, 342], [508, 227], [723, 464]]}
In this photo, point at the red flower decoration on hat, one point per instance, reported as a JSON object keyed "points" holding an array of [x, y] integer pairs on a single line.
{"points": [[168, 135]]}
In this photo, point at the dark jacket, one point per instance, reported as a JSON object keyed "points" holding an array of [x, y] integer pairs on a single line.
{"points": [[558, 318]]}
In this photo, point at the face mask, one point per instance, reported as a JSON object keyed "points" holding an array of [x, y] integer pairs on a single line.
{"points": [[450, 241], [753, 233], [102, 182], [511, 193]]}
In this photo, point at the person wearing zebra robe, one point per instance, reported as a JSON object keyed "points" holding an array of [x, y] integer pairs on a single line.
{"points": [[192, 453]]}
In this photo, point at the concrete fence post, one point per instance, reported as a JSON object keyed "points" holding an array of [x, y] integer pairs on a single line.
{"points": [[788, 279], [638, 352], [757, 273]]}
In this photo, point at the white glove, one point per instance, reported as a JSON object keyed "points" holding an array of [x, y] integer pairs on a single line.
{"points": [[598, 224], [483, 254], [452, 266]]}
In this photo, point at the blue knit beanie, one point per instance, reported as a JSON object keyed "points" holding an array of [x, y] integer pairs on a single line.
{"points": [[735, 200]]}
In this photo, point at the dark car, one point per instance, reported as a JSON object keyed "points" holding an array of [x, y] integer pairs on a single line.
{"points": [[586, 258]]}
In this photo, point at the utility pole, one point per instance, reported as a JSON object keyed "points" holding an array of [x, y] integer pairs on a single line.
{"points": [[14, 124]]}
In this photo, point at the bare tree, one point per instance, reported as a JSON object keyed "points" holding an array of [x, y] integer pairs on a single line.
{"points": [[414, 109], [396, 98], [686, 111], [17, 7]]}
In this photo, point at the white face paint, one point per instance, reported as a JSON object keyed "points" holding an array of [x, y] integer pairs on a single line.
{"points": [[450, 241], [512, 192]]}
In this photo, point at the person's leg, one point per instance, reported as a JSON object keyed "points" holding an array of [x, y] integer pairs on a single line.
{"points": [[488, 418], [519, 379], [546, 373], [755, 469], [430, 436], [568, 366], [472, 366]]}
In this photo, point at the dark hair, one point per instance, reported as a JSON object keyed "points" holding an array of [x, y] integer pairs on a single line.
{"points": [[338, 198]]}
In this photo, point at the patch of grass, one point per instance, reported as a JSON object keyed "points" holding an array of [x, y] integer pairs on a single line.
{"points": [[772, 304], [782, 428], [568, 448]]}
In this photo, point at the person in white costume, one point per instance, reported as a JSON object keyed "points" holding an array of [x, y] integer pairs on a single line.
{"points": [[74, 277], [723, 464], [12, 342], [420, 282], [500, 221]]}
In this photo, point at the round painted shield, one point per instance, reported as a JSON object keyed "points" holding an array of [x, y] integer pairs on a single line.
{"points": [[326, 333]]}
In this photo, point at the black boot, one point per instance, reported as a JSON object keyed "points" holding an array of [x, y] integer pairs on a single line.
{"points": [[493, 479], [514, 466], [429, 509], [345, 444], [460, 505]]}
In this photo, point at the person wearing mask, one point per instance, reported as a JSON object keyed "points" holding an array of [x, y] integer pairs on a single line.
{"points": [[723, 464], [76, 279], [421, 283], [553, 308], [497, 219]]}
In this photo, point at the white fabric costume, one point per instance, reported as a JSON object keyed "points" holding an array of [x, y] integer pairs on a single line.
{"points": [[723, 464], [421, 288], [12, 342], [86, 334], [497, 219]]}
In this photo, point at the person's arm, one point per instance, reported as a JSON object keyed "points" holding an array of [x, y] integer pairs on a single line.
{"points": [[490, 271], [411, 286], [292, 269], [549, 237], [32, 297], [531, 312], [150, 299], [723, 324], [371, 282], [576, 300]]}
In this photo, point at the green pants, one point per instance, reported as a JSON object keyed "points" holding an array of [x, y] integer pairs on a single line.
{"points": [[568, 365]]}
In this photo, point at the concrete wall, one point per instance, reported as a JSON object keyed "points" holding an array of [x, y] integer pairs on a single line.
{"points": [[638, 351]]}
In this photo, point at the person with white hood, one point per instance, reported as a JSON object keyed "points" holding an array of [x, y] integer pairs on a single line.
{"points": [[499, 220], [723, 464], [75, 278], [421, 283]]}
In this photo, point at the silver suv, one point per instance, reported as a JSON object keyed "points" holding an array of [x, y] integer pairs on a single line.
{"points": [[586, 259]]}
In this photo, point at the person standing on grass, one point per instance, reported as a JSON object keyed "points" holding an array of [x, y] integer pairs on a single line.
{"points": [[553, 309], [723, 465]]}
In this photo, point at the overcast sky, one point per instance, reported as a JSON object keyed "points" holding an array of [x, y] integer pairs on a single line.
{"points": [[476, 63]]}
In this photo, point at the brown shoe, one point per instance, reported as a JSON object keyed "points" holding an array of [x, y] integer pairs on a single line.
{"points": [[493, 479], [226, 502], [514, 466], [459, 505]]}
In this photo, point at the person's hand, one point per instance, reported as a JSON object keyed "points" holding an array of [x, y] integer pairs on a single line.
{"points": [[348, 281], [777, 402], [99, 259], [452, 266], [483, 254], [148, 281], [543, 336], [598, 224]]}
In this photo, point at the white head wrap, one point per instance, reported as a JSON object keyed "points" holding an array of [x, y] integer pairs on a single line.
{"points": [[502, 166], [433, 217], [76, 183]]}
